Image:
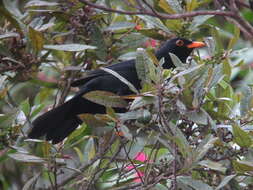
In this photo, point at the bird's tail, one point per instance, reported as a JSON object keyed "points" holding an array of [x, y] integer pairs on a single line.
{"points": [[56, 124]]}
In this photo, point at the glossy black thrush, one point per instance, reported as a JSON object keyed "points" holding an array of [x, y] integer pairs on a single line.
{"points": [[58, 123]]}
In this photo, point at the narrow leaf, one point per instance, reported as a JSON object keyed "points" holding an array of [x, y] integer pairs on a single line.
{"points": [[126, 132], [25, 107], [199, 20], [38, 3], [245, 102], [176, 61], [9, 35], [195, 184], [26, 158], [156, 22], [106, 99], [90, 150], [243, 166], [191, 5], [141, 66], [36, 39], [69, 47], [205, 145], [122, 79], [199, 117], [235, 38], [166, 7], [120, 26], [29, 184], [175, 5], [225, 181], [99, 42], [213, 165], [241, 137]]}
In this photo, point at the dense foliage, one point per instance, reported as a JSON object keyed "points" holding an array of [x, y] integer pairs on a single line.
{"points": [[188, 128]]}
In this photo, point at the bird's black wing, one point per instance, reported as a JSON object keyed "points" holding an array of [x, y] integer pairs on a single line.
{"points": [[124, 69]]}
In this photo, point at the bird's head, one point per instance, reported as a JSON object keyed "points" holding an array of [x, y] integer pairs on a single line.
{"points": [[181, 47]]}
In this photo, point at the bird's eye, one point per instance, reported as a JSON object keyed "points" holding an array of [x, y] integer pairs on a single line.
{"points": [[179, 42]]}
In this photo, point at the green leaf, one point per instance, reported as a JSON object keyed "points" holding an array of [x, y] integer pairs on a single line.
{"points": [[79, 153], [213, 165], [225, 181], [195, 184], [126, 132], [174, 25], [199, 117], [25, 107], [180, 139], [191, 5], [246, 99], [7, 119], [38, 3], [217, 76], [31, 182], [204, 146], [26, 158], [77, 134], [175, 5], [227, 69], [156, 22], [36, 39], [182, 73], [242, 166], [199, 20], [142, 65], [43, 95], [199, 88], [122, 79], [210, 43], [9, 35], [13, 7], [90, 150], [218, 41], [142, 101], [176, 61], [127, 56], [7, 13], [106, 99], [69, 47], [120, 26], [97, 40], [241, 137], [235, 38], [92, 121], [145, 116], [166, 7], [152, 33]]}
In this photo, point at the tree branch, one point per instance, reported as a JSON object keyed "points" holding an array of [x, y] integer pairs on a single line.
{"points": [[160, 15], [232, 14]]}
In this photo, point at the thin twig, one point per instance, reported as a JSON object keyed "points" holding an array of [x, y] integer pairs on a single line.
{"points": [[87, 165], [174, 180], [100, 171], [129, 159]]}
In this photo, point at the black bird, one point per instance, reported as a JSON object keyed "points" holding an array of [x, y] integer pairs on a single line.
{"points": [[58, 123]]}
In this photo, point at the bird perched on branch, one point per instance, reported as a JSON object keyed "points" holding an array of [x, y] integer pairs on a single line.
{"points": [[59, 122]]}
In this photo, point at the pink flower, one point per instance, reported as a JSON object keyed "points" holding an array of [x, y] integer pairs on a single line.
{"points": [[140, 156], [138, 27], [151, 43]]}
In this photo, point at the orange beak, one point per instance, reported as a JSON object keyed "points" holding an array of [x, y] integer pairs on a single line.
{"points": [[196, 45]]}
